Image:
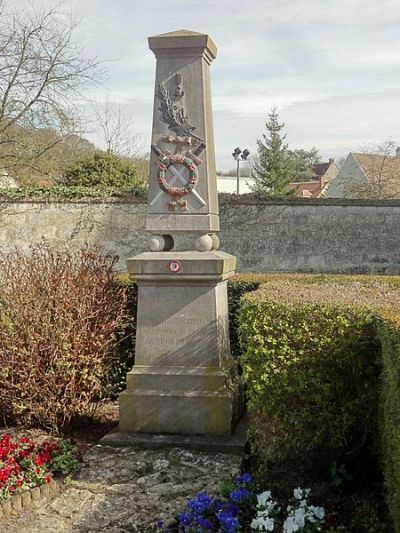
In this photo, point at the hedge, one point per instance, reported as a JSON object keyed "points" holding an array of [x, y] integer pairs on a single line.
{"points": [[63, 192], [313, 351], [389, 335]]}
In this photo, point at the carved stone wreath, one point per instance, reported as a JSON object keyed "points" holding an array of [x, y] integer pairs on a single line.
{"points": [[178, 159]]}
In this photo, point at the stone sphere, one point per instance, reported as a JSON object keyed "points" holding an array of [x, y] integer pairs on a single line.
{"points": [[156, 243], [215, 240], [204, 243]]}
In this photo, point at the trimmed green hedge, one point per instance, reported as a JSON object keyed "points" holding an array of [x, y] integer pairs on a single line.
{"points": [[313, 353], [389, 335], [310, 365]]}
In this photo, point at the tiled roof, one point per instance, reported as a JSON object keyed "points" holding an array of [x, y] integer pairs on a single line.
{"points": [[306, 189], [312, 189], [320, 169], [381, 171]]}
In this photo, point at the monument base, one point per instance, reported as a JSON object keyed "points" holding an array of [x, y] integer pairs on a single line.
{"points": [[184, 379], [235, 443]]}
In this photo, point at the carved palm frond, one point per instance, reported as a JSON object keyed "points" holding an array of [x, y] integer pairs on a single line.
{"points": [[173, 115]]}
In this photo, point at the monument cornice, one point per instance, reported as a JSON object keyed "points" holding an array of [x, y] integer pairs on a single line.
{"points": [[183, 43]]}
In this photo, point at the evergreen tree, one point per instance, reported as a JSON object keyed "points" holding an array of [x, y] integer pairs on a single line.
{"points": [[273, 168], [304, 162]]}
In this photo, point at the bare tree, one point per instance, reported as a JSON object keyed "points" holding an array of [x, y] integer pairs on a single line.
{"points": [[117, 130], [42, 71], [381, 169]]}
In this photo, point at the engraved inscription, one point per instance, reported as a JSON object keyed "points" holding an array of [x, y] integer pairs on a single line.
{"points": [[173, 335]]}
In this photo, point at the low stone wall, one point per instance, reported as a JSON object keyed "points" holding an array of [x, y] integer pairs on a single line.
{"points": [[28, 499], [293, 236]]}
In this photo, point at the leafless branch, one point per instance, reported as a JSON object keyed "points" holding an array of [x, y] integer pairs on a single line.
{"points": [[42, 70]]}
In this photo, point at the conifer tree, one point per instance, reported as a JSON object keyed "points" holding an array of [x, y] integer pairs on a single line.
{"points": [[273, 168]]}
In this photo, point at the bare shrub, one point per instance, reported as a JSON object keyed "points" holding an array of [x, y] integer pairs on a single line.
{"points": [[59, 314]]}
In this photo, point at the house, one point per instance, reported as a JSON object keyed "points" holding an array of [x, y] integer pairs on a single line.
{"points": [[323, 174], [365, 175]]}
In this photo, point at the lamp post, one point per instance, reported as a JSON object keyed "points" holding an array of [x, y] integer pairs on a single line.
{"points": [[243, 156]]}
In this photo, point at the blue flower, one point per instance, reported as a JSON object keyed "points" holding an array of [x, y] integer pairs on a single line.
{"points": [[233, 508], [204, 523], [184, 519], [243, 479], [201, 503], [229, 524], [159, 524], [217, 505], [239, 495]]}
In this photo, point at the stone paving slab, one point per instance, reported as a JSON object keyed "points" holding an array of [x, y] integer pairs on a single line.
{"points": [[123, 490]]}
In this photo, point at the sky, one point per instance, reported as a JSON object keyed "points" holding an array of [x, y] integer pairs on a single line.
{"points": [[331, 68]]}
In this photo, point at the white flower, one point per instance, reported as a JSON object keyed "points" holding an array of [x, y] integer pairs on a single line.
{"points": [[298, 493], [289, 525], [271, 506], [262, 523], [319, 512], [263, 497], [299, 516]]}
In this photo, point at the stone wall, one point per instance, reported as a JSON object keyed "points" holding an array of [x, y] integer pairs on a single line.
{"points": [[298, 235]]}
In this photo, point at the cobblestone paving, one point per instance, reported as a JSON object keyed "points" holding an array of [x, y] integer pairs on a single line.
{"points": [[121, 490]]}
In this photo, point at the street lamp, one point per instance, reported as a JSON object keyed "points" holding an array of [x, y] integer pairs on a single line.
{"points": [[243, 156]]}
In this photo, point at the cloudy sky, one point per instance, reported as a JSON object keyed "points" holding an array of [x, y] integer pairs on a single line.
{"points": [[332, 68]]}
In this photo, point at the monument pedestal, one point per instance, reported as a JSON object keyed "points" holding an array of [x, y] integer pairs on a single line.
{"points": [[183, 381]]}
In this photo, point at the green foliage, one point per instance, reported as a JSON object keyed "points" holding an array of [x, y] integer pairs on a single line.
{"points": [[319, 352], [62, 192], [126, 336], [236, 289], [304, 162], [273, 168], [102, 169], [339, 476], [65, 461], [389, 335], [360, 513], [311, 369]]}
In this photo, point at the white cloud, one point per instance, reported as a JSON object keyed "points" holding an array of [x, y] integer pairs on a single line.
{"points": [[331, 68]]}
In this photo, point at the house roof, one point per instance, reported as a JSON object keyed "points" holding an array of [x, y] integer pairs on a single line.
{"points": [[382, 172], [307, 189], [320, 169], [313, 188]]}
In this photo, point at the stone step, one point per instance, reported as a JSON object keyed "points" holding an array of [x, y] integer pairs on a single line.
{"points": [[175, 378], [176, 412]]}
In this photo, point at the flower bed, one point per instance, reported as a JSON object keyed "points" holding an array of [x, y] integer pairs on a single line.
{"points": [[242, 509], [25, 464]]}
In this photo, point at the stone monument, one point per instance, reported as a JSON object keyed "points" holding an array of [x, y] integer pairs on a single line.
{"points": [[183, 381]]}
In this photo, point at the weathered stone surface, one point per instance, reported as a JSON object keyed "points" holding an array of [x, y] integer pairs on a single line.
{"points": [[182, 125], [182, 326], [125, 490], [289, 236]]}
